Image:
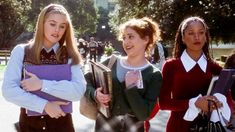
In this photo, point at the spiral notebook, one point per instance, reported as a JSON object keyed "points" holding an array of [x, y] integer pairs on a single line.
{"points": [[50, 72]]}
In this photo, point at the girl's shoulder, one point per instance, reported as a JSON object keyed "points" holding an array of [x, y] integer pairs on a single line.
{"points": [[19, 48], [112, 58], [173, 61], [214, 66]]}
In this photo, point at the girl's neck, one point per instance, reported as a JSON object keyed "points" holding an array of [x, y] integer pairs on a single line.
{"points": [[48, 45], [195, 55], [135, 62]]}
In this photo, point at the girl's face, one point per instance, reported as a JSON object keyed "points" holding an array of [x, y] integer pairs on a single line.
{"points": [[54, 28], [194, 36], [132, 43]]}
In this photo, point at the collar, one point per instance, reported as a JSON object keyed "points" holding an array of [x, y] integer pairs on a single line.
{"points": [[55, 47], [189, 63], [122, 63]]}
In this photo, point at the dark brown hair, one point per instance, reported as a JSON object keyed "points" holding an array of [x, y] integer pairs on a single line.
{"points": [[230, 61], [179, 45]]}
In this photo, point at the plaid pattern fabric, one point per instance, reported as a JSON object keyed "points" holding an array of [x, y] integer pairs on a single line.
{"points": [[121, 123]]}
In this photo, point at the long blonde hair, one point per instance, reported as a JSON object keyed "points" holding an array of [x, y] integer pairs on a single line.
{"points": [[67, 40]]}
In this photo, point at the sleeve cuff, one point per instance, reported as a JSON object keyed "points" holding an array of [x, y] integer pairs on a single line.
{"points": [[45, 84], [192, 111]]}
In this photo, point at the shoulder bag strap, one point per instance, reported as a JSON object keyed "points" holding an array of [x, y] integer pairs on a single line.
{"points": [[112, 61]]}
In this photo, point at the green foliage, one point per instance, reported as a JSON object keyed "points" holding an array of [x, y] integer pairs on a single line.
{"points": [[84, 15], [2, 68], [108, 50], [13, 20], [36, 7], [219, 15]]}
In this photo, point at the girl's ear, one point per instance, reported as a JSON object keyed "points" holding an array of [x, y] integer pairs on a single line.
{"points": [[146, 38]]}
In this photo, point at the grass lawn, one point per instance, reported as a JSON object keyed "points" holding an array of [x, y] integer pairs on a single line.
{"points": [[2, 68]]}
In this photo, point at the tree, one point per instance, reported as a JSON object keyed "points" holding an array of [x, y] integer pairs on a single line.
{"points": [[84, 15], [219, 15], [13, 20], [127, 9], [36, 7], [103, 30]]}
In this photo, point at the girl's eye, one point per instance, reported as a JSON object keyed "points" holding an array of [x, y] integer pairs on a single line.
{"points": [[52, 24], [130, 37], [190, 33], [123, 38], [202, 32], [63, 27]]}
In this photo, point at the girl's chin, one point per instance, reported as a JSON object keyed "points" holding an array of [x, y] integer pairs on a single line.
{"points": [[130, 54]]}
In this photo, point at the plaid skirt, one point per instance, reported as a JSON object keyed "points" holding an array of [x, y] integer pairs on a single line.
{"points": [[45, 123], [121, 123]]}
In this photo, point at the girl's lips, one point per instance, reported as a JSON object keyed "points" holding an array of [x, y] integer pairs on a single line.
{"points": [[197, 43], [55, 36]]}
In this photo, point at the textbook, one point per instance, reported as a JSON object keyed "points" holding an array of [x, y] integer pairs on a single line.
{"points": [[102, 78], [222, 83], [50, 72]]}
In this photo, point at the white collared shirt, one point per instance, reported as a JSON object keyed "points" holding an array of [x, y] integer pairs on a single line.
{"points": [[189, 63], [55, 47], [69, 90]]}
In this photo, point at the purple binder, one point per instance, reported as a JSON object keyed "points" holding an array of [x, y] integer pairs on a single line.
{"points": [[224, 82], [50, 72]]}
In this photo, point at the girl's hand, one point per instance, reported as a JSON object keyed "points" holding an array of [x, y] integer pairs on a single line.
{"points": [[33, 83], [102, 98], [54, 110], [216, 102], [202, 103], [131, 78]]}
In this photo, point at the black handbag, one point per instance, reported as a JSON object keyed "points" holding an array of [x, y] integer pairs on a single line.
{"points": [[202, 122]]}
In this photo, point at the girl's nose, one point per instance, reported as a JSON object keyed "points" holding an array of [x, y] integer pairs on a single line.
{"points": [[57, 28], [196, 36]]}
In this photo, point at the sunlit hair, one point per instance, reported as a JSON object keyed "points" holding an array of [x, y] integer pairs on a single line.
{"points": [[144, 27], [179, 45], [67, 40]]}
